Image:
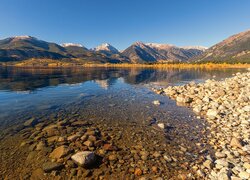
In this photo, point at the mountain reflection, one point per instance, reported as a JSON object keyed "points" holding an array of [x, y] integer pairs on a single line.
{"points": [[28, 79]]}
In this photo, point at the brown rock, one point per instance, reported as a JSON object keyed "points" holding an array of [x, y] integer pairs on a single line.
{"points": [[88, 143], [37, 174], [235, 143], [109, 147], [59, 152], [138, 172]]}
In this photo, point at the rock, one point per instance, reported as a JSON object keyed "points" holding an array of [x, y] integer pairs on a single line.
{"points": [[51, 166], [212, 113], [154, 169], [30, 122], [161, 125], [246, 108], [109, 147], [220, 155], [235, 143], [222, 162], [138, 172], [246, 165], [112, 157], [52, 139], [207, 164], [167, 158], [157, 102], [73, 137], [244, 175], [40, 145], [84, 158], [88, 143], [37, 174], [59, 152]]}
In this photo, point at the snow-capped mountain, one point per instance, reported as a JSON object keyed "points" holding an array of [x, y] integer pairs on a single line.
{"points": [[106, 49], [140, 52]]}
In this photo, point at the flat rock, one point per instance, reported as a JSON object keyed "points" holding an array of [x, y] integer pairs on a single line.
{"points": [[60, 152], [51, 166]]}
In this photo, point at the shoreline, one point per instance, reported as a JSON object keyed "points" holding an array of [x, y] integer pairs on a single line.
{"points": [[158, 66], [226, 107]]}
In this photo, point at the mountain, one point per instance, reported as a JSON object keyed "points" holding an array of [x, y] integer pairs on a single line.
{"points": [[106, 49], [152, 52], [25, 47], [21, 48], [231, 50]]}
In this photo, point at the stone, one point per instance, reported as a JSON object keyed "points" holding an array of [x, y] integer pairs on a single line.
{"points": [[52, 139], [156, 102], [220, 155], [161, 125], [154, 169], [212, 113], [109, 147], [246, 165], [59, 152], [207, 164], [40, 145], [37, 174], [235, 143], [30, 122], [51, 166], [73, 137], [222, 162], [88, 143], [112, 157], [138, 172], [84, 158], [244, 175]]}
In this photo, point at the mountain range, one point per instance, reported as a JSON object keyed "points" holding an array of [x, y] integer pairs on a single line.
{"points": [[22, 48]]}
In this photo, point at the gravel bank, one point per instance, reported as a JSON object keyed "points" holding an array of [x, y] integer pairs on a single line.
{"points": [[226, 106]]}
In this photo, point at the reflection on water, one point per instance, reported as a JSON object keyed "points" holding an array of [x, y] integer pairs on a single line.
{"points": [[29, 92], [20, 79]]}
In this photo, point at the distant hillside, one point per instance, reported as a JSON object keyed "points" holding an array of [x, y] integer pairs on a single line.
{"points": [[21, 48], [151, 53], [232, 50]]}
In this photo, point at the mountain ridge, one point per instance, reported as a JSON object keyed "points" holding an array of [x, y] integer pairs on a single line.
{"points": [[234, 49]]}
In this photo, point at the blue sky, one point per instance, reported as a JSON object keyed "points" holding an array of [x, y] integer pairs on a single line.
{"points": [[120, 23]]}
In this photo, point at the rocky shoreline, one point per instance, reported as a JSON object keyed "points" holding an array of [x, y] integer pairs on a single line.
{"points": [[89, 142], [226, 107]]}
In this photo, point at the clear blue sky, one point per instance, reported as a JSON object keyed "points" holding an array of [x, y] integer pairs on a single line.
{"points": [[120, 23]]}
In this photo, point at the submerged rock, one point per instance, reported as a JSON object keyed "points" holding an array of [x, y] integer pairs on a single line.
{"points": [[30, 122]]}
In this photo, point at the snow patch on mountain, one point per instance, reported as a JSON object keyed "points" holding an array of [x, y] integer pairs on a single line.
{"points": [[202, 48], [71, 44], [160, 46], [106, 47]]}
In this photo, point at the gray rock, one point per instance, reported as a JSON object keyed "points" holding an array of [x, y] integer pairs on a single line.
{"points": [[84, 158]]}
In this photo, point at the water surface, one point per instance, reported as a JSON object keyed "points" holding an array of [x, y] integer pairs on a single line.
{"points": [[26, 90]]}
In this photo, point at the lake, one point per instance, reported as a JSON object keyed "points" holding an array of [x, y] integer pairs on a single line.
{"points": [[115, 101]]}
